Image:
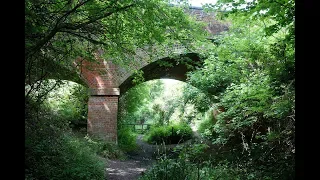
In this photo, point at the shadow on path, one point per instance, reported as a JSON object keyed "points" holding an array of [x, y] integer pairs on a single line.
{"points": [[139, 161], [135, 165]]}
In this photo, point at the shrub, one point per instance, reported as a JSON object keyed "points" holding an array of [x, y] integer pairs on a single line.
{"points": [[62, 157], [206, 125], [80, 161], [189, 165], [171, 134], [194, 163], [127, 139], [170, 169], [104, 148], [53, 152]]}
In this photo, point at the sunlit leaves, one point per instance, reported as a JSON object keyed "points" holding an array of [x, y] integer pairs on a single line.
{"points": [[251, 70], [252, 97], [59, 32]]}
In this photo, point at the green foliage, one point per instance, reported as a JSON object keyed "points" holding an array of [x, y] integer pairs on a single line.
{"points": [[255, 133], [60, 32], [183, 166], [78, 161], [245, 104], [103, 148], [134, 104], [127, 139], [281, 12], [206, 125], [152, 102], [171, 169], [193, 163], [52, 150], [138, 77], [198, 98], [170, 134], [215, 76], [51, 153], [249, 71], [70, 103]]}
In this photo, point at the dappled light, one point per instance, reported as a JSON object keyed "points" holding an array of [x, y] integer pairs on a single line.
{"points": [[157, 89], [123, 171]]}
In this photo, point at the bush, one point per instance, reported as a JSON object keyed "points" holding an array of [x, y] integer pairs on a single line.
{"points": [[193, 162], [171, 134], [206, 125], [62, 157], [53, 152], [170, 169], [190, 164], [104, 148], [80, 161], [127, 139]]}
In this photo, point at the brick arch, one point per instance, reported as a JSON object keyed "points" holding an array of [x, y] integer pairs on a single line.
{"points": [[106, 80], [155, 70]]}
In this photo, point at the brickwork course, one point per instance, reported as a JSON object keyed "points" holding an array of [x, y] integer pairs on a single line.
{"points": [[106, 80]]}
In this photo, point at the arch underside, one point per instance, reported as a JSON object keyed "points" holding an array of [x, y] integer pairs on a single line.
{"points": [[155, 70]]}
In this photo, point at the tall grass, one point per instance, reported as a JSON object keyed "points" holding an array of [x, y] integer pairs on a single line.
{"points": [[193, 162], [53, 151], [62, 157]]}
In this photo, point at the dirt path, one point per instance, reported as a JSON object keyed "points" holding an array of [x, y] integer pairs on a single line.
{"points": [[137, 162], [135, 165]]}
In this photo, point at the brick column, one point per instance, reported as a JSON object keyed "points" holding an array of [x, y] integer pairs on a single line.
{"points": [[102, 113]]}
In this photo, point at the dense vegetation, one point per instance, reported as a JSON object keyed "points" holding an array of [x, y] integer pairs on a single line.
{"points": [[56, 145], [169, 134], [56, 34], [249, 107], [241, 101]]}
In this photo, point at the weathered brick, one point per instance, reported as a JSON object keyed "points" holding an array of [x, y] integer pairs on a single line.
{"points": [[102, 116], [104, 78]]}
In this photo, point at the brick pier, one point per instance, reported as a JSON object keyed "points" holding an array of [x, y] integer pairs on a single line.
{"points": [[102, 116], [105, 79]]}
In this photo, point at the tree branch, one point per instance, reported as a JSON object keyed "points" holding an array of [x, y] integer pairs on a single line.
{"points": [[84, 37], [71, 11], [70, 26], [75, 27]]}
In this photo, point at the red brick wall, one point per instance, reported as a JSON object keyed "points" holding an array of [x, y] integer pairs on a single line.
{"points": [[104, 78], [98, 75], [103, 100], [102, 117]]}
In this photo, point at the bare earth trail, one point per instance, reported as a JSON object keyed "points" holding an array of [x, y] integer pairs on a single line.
{"points": [[138, 162], [135, 165]]}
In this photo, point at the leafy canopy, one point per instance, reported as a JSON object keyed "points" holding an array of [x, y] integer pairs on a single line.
{"points": [[58, 32]]}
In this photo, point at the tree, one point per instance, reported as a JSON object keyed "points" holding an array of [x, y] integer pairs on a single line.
{"points": [[281, 11], [58, 32], [251, 70]]}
